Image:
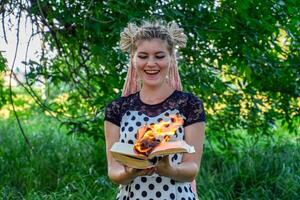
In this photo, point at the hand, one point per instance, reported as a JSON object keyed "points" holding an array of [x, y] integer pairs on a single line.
{"points": [[133, 172], [163, 167]]}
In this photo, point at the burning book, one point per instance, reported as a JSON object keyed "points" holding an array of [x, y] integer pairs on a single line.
{"points": [[152, 141]]}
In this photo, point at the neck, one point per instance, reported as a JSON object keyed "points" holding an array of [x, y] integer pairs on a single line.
{"points": [[155, 94]]}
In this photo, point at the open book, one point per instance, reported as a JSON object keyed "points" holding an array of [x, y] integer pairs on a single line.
{"points": [[125, 154]]}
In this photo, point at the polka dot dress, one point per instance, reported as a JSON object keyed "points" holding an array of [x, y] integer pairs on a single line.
{"points": [[133, 117]]}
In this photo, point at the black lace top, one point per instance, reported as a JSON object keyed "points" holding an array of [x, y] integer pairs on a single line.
{"points": [[188, 105]]}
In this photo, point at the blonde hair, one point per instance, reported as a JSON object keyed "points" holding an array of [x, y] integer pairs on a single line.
{"points": [[171, 33]]}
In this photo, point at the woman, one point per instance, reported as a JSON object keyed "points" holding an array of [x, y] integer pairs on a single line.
{"points": [[152, 92]]}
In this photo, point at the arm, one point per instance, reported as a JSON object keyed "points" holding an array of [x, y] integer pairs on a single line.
{"points": [[188, 169], [117, 172]]}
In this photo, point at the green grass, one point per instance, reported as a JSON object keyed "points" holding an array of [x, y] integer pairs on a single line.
{"points": [[74, 167], [262, 171], [59, 167]]}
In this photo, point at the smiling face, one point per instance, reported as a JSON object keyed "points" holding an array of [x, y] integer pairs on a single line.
{"points": [[151, 60]]}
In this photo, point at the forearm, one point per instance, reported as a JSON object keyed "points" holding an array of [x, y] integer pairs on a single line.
{"points": [[184, 172]]}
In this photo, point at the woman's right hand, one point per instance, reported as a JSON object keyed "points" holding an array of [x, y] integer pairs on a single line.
{"points": [[133, 172], [117, 172]]}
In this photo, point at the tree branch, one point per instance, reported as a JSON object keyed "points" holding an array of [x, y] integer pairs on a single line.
{"points": [[10, 86]]}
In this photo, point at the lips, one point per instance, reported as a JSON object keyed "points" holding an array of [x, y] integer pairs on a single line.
{"points": [[151, 72]]}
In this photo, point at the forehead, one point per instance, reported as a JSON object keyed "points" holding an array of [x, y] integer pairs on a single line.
{"points": [[151, 46]]}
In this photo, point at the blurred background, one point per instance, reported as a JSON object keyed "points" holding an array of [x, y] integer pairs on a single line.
{"points": [[60, 65]]}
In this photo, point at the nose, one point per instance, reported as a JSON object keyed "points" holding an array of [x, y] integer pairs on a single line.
{"points": [[151, 61]]}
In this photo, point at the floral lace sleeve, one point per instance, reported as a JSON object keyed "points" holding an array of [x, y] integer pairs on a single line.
{"points": [[194, 111], [113, 112]]}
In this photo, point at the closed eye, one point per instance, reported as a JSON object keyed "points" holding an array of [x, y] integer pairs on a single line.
{"points": [[142, 57], [160, 57]]}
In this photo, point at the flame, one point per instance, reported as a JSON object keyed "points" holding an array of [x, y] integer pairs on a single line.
{"points": [[150, 136]]}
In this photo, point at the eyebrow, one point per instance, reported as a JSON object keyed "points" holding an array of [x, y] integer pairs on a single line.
{"points": [[142, 52]]}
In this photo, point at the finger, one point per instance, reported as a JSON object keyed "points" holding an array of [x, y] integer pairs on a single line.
{"points": [[150, 171], [165, 158], [127, 169], [130, 169], [153, 169], [157, 170], [147, 171], [163, 162], [142, 172]]}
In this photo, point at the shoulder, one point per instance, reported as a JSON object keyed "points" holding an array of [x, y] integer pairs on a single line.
{"points": [[120, 102], [115, 109], [116, 103], [191, 107], [188, 98]]}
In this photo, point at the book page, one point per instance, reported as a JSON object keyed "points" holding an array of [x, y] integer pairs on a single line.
{"points": [[167, 148], [126, 149]]}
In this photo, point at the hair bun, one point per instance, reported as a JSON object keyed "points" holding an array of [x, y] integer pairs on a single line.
{"points": [[177, 34], [127, 37]]}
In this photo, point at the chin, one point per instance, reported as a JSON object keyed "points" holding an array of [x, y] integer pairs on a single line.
{"points": [[153, 83]]}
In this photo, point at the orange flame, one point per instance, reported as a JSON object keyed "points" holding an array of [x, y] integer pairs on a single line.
{"points": [[149, 137]]}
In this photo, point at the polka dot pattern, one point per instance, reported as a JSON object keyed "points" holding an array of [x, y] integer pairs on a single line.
{"points": [[155, 186]]}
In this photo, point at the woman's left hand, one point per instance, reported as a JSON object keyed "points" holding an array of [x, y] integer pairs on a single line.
{"points": [[163, 167]]}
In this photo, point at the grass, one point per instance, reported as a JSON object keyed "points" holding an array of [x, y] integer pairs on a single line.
{"points": [[59, 167], [73, 167], [263, 171]]}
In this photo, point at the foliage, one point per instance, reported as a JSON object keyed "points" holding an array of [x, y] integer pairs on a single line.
{"points": [[2, 63], [3, 90], [242, 58], [73, 167]]}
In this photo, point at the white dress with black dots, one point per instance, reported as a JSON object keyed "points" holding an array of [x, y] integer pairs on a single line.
{"points": [[129, 113]]}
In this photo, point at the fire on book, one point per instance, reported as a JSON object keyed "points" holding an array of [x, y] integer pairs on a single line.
{"points": [[149, 136]]}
